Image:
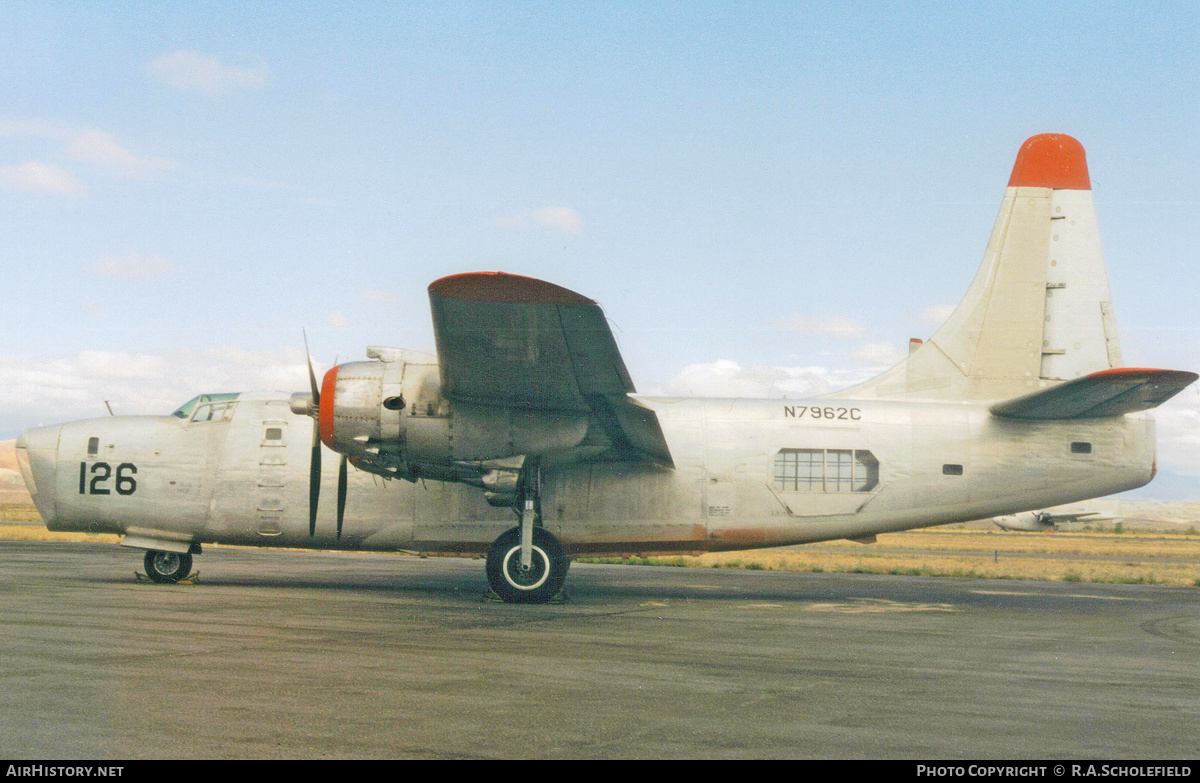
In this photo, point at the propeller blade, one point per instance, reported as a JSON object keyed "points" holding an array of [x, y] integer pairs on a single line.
{"points": [[314, 482], [341, 496], [314, 465], [312, 376]]}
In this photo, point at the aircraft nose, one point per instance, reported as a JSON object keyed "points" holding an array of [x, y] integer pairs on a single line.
{"points": [[37, 456]]}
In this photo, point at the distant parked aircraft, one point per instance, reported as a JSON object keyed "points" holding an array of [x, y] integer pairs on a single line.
{"points": [[1061, 517]]}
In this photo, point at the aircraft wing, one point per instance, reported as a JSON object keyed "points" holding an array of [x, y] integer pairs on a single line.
{"points": [[519, 342], [1063, 516], [1112, 392]]}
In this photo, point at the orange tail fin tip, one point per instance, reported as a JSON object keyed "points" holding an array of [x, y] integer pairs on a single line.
{"points": [[1051, 160]]}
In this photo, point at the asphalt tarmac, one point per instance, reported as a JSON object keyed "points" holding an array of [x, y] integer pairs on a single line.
{"points": [[333, 655]]}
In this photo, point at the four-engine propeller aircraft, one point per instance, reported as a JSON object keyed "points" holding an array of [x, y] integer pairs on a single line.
{"points": [[1020, 401]]}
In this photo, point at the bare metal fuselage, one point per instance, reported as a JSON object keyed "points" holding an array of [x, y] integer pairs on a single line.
{"points": [[160, 479]]}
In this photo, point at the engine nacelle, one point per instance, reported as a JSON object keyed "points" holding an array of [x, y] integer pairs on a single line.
{"points": [[394, 406], [1026, 520], [390, 417]]}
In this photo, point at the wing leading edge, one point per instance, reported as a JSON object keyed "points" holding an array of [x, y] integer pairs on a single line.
{"points": [[1112, 392], [519, 342]]}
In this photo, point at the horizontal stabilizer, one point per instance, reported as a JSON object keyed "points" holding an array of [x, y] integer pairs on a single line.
{"points": [[1112, 392]]}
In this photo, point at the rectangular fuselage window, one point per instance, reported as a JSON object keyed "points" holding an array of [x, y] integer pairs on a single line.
{"points": [[1081, 447], [826, 470]]}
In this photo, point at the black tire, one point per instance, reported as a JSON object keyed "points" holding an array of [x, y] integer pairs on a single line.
{"points": [[167, 567], [538, 585]]}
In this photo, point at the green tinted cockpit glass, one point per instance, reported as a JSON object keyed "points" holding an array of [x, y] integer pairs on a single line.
{"points": [[185, 411]]}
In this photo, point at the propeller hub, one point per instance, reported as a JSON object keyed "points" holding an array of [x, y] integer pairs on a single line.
{"points": [[302, 404]]}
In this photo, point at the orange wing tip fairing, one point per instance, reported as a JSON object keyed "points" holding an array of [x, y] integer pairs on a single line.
{"points": [[1051, 160], [506, 288]]}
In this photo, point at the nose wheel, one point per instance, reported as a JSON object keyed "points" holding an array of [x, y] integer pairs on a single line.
{"points": [[167, 567], [536, 583]]}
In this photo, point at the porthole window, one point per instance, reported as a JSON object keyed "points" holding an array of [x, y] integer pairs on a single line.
{"points": [[952, 470]]}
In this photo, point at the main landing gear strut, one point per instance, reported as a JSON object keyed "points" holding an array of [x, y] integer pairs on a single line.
{"points": [[527, 564]]}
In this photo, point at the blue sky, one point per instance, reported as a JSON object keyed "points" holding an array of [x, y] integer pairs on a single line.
{"points": [[767, 198]]}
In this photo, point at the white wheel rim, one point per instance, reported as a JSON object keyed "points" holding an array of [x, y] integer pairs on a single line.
{"points": [[516, 552]]}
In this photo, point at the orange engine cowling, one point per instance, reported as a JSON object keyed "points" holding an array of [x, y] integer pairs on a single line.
{"points": [[350, 396], [391, 418], [381, 411]]}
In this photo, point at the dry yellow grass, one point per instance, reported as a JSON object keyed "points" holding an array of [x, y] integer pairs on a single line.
{"points": [[1084, 557], [39, 533], [1092, 544], [1131, 558], [19, 512]]}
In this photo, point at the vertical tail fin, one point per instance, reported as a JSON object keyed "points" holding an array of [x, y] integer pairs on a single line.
{"points": [[1039, 309]]}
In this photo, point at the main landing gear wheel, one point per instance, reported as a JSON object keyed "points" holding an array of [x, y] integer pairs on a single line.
{"points": [[537, 585], [167, 567]]}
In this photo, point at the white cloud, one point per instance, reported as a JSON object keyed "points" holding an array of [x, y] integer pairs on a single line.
{"points": [[1178, 425], [34, 177], [563, 218], [132, 266], [48, 390], [338, 321], [94, 146], [935, 316], [727, 378], [879, 354], [834, 326], [84, 145], [188, 70]]}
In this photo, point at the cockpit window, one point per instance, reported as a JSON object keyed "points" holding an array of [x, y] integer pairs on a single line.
{"points": [[186, 410], [213, 411]]}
